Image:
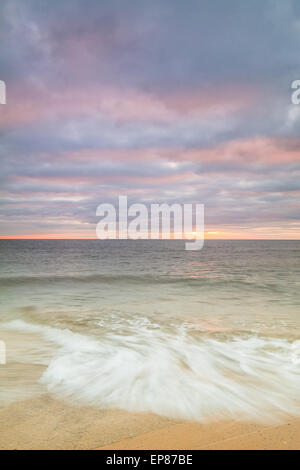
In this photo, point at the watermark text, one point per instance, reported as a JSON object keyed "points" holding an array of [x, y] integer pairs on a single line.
{"points": [[296, 94], [156, 221], [2, 353], [2, 92]]}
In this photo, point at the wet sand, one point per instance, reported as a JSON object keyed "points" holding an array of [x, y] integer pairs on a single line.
{"points": [[45, 423]]}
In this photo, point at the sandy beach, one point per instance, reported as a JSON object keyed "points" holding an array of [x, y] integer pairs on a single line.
{"points": [[45, 423]]}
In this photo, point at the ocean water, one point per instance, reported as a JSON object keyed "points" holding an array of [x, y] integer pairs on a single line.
{"points": [[148, 326]]}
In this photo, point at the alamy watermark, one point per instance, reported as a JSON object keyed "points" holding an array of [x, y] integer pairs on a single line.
{"points": [[2, 92], [157, 221], [2, 353], [296, 352], [296, 94]]}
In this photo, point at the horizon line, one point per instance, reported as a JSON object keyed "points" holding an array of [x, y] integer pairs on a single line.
{"points": [[30, 237]]}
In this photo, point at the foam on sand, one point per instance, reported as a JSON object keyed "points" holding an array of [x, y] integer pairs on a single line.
{"points": [[174, 374]]}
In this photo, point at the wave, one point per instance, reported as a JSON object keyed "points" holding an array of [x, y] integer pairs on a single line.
{"points": [[13, 280], [174, 374], [145, 279]]}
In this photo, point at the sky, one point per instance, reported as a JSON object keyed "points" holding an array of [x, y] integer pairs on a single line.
{"points": [[164, 101]]}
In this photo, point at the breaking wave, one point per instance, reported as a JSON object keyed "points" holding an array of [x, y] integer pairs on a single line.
{"points": [[174, 374]]}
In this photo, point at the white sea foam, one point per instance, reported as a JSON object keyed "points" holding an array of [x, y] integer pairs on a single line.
{"points": [[175, 374]]}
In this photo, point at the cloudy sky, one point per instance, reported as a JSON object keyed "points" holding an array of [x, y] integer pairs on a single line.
{"points": [[162, 101]]}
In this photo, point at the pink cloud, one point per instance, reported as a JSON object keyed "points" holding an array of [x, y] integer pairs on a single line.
{"points": [[260, 150], [25, 105]]}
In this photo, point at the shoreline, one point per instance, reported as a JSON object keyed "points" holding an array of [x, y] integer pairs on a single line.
{"points": [[46, 423]]}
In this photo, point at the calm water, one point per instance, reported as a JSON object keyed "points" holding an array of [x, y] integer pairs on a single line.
{"points": [[149, 326]]}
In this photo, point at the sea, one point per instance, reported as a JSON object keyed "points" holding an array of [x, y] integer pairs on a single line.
{"points": [[147, 326]]}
